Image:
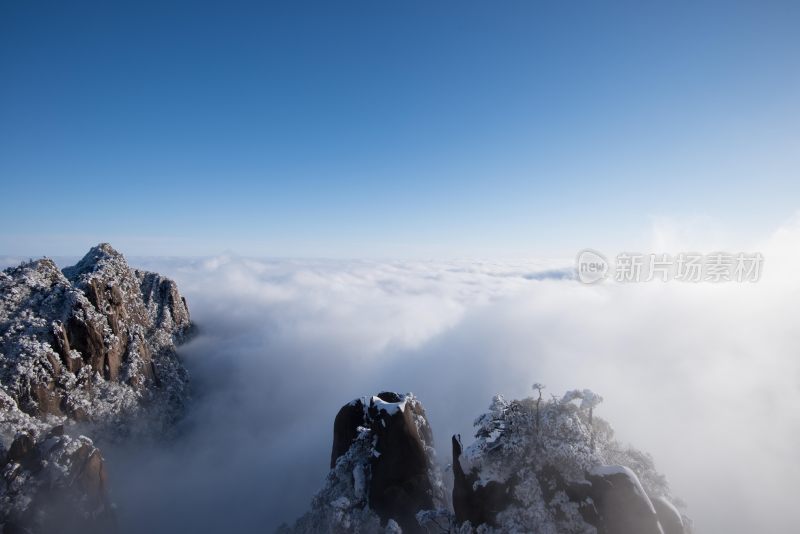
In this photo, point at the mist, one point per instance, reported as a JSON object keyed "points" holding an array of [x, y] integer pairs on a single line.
{"points": [[705, 377]]}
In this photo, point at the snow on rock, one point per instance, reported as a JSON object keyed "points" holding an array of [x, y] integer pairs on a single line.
{"points": [[607, 472], [537, 465], [670, 518], [95, 345], [383, 469], [390, 408], [620, 502], [55, 483], [92, 343], [551, 466]]}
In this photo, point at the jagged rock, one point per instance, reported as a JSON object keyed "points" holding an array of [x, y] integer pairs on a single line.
{"points": [[98, 324], [382, 469], [94, 343]]}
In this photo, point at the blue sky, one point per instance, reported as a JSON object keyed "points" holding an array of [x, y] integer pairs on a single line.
{"points": [[392, 129]]}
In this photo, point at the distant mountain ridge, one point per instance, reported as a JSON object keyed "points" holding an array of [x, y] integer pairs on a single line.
{"points": [[93, 345]]}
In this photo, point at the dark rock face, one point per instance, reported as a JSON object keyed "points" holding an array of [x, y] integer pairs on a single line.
{"points": [[345, 428], [96, 344], [622, 505], [400, 484], [478, 504], [383, 470], [22, 449]]}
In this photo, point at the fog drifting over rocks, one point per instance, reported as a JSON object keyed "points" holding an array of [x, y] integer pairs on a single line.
{"points": [[704, 377]]}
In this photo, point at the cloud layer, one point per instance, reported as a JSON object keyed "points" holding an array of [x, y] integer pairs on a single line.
{"points": [[705, 377]]}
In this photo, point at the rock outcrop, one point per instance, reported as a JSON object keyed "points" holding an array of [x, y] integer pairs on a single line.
{"points": [[93, 344], [670, 519], [55, 484], [383, 470], [51, 481], [474, 502], [611, 499], [541, 466], [536, 465], [621, 505]]}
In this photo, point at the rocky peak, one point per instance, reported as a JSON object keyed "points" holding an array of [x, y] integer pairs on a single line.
{"points": [[383, 469], [100, 257], [95, 343], [144, 298], [550, 465], [97, 324]]}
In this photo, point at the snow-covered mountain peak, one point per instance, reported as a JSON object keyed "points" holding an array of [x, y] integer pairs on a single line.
{"points": [[93, 345]]}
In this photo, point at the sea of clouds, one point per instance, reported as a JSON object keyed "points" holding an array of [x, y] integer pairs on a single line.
{"points": [[706, 377]]}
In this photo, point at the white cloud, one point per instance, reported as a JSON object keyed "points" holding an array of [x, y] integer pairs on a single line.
{"points": [[703, 376]]}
